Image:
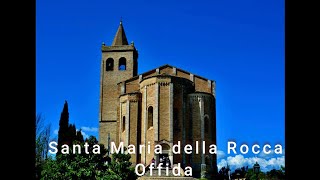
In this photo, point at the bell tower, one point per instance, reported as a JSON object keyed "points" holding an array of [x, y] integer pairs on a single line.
{"points": [[118, 63]]}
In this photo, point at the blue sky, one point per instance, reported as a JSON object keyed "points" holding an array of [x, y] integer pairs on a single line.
{"points": [[240, 44]]}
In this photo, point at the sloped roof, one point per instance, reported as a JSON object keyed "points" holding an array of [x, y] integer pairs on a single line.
{"points": [[163, 67], [120, 37]]}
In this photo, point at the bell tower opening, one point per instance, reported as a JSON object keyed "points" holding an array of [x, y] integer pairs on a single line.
{"points": [[109, 64], [122, 64], [118, 63]]}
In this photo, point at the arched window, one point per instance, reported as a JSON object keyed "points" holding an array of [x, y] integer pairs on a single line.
{"points": [[206, 124], [122, 64], [123, 123], [150, 117], [109, 64]]}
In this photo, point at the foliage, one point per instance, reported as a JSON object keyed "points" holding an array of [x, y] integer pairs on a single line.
{"points": [[42, 143], [248, 173], [240, 172], [77, 165], [79, 136], [223, 173], [270, 175], [89, 166], [64, 128], [121, 166], [42, 138], [86, 164], [67, 132], [276, 174]]}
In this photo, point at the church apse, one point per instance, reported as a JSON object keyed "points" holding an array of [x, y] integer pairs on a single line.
{"points": [[164, 106]]}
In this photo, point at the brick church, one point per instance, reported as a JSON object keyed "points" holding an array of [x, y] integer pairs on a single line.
{"points": [[161, 106]]}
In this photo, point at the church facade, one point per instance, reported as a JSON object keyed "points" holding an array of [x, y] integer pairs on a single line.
{"points": [[164, 106]]}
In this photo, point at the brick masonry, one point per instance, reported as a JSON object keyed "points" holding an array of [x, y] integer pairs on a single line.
{"points": [[183, 107]]}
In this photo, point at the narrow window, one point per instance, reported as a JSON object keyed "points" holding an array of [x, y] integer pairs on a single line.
{"points": [[122, 64], [123, 123], [150, 117], [109, 64]]}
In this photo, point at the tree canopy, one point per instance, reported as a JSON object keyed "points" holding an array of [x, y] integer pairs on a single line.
{"points": [[86, 165]]}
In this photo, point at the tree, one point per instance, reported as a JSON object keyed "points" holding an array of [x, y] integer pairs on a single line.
{"points": [[63, 133], [71, 133], [89, 166], [240, 172], [276, 174], [42, 142], [67, 132], [79, 136], [121, 166], [223, 173], [78, 166], [250, 175], [283, 171]]}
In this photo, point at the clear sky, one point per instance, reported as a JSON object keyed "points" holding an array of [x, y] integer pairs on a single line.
{"points": [[239, 44]]}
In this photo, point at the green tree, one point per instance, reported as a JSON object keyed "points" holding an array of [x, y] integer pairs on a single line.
{"points": [[72, 133], [78, 165], [223, 173], [67, 132], [262, 176], [240, 172], [89, 166], [42, 143], [121, 166], [276, 174], [250, 175], [79, 136], [283, 171], [270, 175], [63, 133]]}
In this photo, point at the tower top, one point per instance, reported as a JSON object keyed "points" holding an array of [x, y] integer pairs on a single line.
{"points": [[120, 37]]}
